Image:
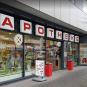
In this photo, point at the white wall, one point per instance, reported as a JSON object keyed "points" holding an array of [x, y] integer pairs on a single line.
{"points": [[60, 9], [31, 3]]}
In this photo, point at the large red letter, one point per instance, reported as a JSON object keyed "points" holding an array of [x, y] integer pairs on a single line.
{"points": [[26, 26], [51, 32], [59, 34], [40, 30], [7, 22]]}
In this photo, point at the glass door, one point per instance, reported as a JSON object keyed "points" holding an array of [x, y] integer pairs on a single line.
{"points": [[53, 51], [34, 49], [57, 55], [70, 52]]}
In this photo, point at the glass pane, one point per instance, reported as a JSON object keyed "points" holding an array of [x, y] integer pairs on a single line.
{"points": [[65, 53], [34, 49], [75, 53], [10, 57], [70, 52], [83, 53], [53, 53], [57, 55], [49, 51]]}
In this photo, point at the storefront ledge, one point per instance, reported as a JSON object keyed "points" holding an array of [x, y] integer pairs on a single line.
{"points": [[15, 80], [82, 65]]}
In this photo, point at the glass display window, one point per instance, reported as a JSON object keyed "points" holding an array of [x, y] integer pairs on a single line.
{"points": [[70, 52], [83, 53], [34, 48], [10, 57], [53, 53]]}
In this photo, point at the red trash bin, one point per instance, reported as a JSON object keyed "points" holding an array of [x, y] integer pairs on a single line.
{"points": [[70, 65], [48, 69]]}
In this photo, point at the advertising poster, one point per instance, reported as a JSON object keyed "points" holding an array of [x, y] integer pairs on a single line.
{"points": [[40, 68]]}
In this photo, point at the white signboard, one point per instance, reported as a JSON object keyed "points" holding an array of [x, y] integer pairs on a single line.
{"points": [[65, 36], [40, 68], [6, 22], [76, 38], [58, 34], [25, 27], [18, 39], [40, 30], [71, 37], [50, 32]]}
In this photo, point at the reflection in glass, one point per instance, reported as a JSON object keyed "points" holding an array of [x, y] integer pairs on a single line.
{"points": [[70, 52], [83, 53], [53, 53], [34, 49], [10, 57]]}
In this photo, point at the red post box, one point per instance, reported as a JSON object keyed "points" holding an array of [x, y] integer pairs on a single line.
{"points": [[70, 65], [48, 69]]}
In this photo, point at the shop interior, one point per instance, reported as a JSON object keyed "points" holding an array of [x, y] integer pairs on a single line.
{"points": [[53, 51], [70, 52], [34, 49], [10, 55], [83, 53]]}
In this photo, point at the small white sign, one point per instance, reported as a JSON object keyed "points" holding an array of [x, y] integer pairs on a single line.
{"points": [[40, 68], [71, 37], [25, 27], [65, 36], [6, 22], [76, 38], [59, 35], [40, 30], [50, 32], [18, 39]]}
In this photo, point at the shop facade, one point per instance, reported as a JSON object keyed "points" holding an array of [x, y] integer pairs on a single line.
{"points": [[23, 41]]}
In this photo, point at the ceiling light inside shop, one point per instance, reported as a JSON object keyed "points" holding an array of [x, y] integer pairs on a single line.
{"points": [[10, 33], [7, 38]]}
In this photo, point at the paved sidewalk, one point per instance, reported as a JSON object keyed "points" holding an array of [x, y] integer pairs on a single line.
{"points": [[61, 78]]}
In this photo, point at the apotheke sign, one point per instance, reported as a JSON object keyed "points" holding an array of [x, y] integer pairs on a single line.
{"points": [[58, 34], [25, 27], [50, 32], [71, 37], [7, 23], [65, 36], [40, 30]]}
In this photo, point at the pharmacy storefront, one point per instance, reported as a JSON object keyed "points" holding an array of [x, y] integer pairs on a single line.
{"points": [[23, 41]]}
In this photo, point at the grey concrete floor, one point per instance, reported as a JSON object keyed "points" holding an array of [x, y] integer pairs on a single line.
{"points": [[61, 78]]}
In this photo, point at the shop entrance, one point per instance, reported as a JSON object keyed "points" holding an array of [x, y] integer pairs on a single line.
{"points": [[53, 51], [34, 49], [70, 52]]}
